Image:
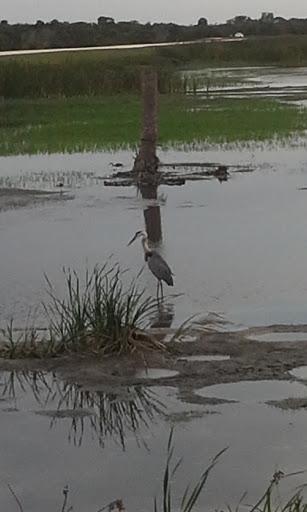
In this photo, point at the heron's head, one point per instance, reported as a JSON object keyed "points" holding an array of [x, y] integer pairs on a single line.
{"points": [[139, 234]]}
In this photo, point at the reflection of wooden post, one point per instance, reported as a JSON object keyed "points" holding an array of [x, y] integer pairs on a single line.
{"points": [[146, 162], [152, 214]]}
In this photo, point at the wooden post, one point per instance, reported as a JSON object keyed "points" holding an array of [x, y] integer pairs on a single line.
{"points": [[146, 162], [152, 214]]}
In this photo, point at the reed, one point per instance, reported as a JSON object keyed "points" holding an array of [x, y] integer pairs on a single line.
{"points": [[97, 315]]}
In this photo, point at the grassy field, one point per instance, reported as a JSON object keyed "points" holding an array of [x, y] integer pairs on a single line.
{"points": [[87, 101], [286, 50], [98, 123], [82, 73], [118, 71]]}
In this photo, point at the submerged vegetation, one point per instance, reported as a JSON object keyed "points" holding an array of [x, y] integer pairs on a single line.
{"points": [[91, 124], [98, 316]]}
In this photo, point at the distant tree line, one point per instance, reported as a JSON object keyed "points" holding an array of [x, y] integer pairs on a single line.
{"points": [[106, 31]]}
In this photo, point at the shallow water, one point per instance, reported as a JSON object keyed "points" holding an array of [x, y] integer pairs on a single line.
{"points": [[299, 373], [57, 434], [238, 250], [280, 336], [155, 373], [286, 84], [253, 392]]}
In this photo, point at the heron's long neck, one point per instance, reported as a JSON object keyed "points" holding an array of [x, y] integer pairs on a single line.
{"points": [[145, 244]]}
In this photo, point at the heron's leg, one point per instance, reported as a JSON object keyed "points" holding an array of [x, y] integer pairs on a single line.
{"points": [[158, 284], [161, 289]]}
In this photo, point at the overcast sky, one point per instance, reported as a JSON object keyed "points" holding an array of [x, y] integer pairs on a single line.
{"points": [[179, 11]]}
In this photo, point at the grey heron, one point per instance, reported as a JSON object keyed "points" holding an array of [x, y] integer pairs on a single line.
{"points": [[156, 263]]}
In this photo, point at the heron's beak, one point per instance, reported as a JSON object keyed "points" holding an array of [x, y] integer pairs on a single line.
{"points": [[132, 240]]}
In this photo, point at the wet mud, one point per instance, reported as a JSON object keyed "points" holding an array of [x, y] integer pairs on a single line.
{"points": [[248, 360]]}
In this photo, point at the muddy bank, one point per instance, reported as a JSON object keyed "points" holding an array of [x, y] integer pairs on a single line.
{"points": [[20, 198], [248, 360]]}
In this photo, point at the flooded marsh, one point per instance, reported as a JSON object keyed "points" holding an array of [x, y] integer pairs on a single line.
{"points": [[256, 107], [237, 246], [244, 216]]}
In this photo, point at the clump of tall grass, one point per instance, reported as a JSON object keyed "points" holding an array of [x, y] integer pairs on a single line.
{"points": [[76, 76], [101, 316], [29, 341], [98, 315]]}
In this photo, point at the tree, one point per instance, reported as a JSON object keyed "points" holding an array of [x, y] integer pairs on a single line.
{"points": [[267, 17], [239, 19], [104, 20], [203, 22]]}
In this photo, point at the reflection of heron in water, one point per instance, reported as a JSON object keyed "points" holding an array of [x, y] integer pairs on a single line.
{"points": [[163, 317], [156, 263]]}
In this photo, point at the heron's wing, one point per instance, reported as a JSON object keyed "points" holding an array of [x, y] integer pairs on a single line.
{"points": [[160, 268]]}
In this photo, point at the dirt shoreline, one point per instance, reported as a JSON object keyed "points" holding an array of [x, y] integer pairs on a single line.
{"points": [[12, 198], [249, 360]]}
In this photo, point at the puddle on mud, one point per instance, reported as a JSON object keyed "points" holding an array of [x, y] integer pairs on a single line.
{"points": [[299, 373], [119, 436], [187, 338], [204, 358], [155, 373], [279, 336], [254, 391]]}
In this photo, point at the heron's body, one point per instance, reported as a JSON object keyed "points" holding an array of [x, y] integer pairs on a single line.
{"points": [[156, 263], [159, 267]]}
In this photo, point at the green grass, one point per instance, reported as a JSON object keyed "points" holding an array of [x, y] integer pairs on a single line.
{"points": [[90, 124], [283, 50], [113, 58], [82, 73], [68, 125], [227, 120]]}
